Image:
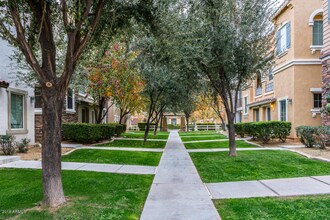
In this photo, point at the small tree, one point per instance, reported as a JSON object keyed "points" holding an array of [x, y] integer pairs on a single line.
{"points": [[52, 36], [234, 41]]}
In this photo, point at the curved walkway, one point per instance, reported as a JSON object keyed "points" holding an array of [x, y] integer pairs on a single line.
{"points": [[177, 191]]}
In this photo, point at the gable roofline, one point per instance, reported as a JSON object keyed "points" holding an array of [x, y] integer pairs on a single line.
{"points": [[281, 8]]}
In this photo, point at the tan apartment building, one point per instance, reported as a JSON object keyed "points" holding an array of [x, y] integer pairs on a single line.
{"points": [[291, 89], [325, 57]]}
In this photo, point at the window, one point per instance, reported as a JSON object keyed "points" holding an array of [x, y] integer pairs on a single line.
{"points": [[317, 100], [70, 100], [283, 110], [16, 111], [318, 33], [245, 105], [283, 39], [37, 96], [268, 114]]}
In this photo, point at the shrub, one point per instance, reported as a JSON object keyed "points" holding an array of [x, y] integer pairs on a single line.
{"points": [[108, 130], [23, 145], [311, 136], [7, 143], [307, 135], [119, 128], [82, 132], [142, 125], [239, 129], [170, 126], [282, 129], [264, 131], [323, 135]]}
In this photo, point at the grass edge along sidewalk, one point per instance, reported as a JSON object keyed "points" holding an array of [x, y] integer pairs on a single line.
{"points": [[113, 157], [300, 207], [216, 167], [134, 144], [90, 195], [219, 144]]}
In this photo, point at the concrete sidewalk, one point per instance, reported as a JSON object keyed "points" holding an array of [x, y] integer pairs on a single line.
{"points": [[96, 167], [177, 191], [274, 188]]}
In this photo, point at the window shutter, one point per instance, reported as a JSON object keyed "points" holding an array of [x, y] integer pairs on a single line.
{"points": [[288, 35], [278, 41]]}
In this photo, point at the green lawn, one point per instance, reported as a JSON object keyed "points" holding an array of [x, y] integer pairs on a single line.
{"points": [[302, 208], [204, 137], [134, 144], [218, 144], [91, 195], [197, 133], [256, 165], [162, 135], [114, 157]]}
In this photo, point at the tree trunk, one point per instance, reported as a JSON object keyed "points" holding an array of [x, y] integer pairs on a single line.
{"points": [[161, 123], [231, 135], [156, 128], [187, 124], [146, 133], [51, 147]]}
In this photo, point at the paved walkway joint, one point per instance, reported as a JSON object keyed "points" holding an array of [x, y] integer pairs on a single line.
{"points": [[105, 168], [274, 188], [177, 191]]}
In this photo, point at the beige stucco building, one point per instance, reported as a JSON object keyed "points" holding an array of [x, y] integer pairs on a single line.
{"points": [[291, 89]]}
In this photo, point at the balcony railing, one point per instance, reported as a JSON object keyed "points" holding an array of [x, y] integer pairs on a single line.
{"points": [[269, 87], [259, 91]]}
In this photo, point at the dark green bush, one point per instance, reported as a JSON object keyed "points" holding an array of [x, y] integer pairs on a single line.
{"points": [[119, 128], [282, 130], [264, 131], [170, 126], [239, 129], [142, 125], [7, 143], [89, 133]]}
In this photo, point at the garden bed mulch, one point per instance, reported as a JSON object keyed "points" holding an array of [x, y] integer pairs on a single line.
{"points": [[34, 153], [315, 152]]}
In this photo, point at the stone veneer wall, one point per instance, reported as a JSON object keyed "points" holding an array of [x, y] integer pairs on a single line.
{"points": [[325, 88], [66, 118]]}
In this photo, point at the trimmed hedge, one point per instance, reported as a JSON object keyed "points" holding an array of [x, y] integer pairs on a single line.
{"points": [[142, 125], [89, 133], [264, 131], [119, 128], [312, 136], [170, 126]]}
